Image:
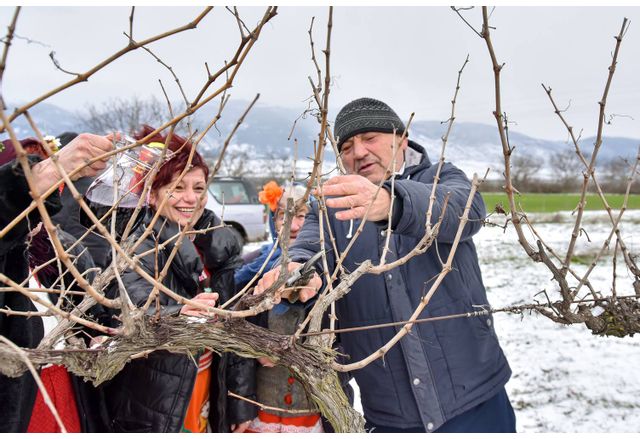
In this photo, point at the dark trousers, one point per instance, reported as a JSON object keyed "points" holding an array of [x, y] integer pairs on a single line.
{"points": [[492, 416]]}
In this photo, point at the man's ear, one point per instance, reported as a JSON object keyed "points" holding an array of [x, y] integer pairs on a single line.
{"points": [[402, 145], [405, 144]]}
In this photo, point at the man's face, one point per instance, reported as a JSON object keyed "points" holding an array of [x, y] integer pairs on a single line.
{"points": [[370, 154]]}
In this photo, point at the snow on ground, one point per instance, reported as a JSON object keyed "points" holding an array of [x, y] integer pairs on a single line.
{"points": [[564, 378]]}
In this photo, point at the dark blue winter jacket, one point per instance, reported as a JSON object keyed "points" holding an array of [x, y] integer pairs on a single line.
{"points": [[440, 369]]}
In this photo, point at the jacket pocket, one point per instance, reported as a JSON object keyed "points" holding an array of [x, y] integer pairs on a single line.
{"points": [[470, 349], [383, 383]]}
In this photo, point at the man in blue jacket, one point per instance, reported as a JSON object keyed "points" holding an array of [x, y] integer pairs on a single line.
{"points": [[447, 376]]}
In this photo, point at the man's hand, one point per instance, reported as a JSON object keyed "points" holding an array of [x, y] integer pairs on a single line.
{"points": [[81, 150], [356, 193], [77, 153], [306, 292], [207, 299]]}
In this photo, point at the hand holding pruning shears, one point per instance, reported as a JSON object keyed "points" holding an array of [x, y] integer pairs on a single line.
{"points": [[302, 284]]}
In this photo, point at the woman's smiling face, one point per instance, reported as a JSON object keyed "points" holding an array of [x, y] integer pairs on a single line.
{"points": [[182, 204]]}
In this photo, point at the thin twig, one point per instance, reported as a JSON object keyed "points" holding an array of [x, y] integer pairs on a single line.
{"points": [[506, 150], [596, 183], [86, 75], [457, 11], [168, 67], [57, 65], [7, 42], [133, 10], [445, 139], [39, 383], [265, 407]]}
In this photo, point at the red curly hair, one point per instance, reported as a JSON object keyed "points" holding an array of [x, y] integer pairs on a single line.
{"points": [[181, 147]]}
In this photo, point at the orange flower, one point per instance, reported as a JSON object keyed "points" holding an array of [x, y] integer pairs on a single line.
{"points": [[270, 195]]}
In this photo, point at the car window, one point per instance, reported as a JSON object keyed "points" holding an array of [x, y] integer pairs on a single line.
{"points": [[230, 192]]}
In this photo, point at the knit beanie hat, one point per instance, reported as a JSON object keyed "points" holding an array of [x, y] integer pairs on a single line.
{"points": [[365, 115]]}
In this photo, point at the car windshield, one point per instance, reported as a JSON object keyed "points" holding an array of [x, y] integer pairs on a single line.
{"points": [[230, 192]]}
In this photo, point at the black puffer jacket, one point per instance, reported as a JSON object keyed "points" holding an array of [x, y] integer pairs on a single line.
{"points": [[152, 394], [17, 395]]}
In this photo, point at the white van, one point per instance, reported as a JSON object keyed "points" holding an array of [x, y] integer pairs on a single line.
{"points": [[235, 200]]}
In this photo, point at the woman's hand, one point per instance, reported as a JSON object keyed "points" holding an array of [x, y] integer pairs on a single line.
{"points": [[206, 299], [95, 342], [240, 428], [266, 362]]}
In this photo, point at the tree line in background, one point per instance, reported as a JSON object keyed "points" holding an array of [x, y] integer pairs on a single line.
{"points": [[527, 175]]}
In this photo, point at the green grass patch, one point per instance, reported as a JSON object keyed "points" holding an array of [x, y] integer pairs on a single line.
{"points": [[582, 259], [555, 202]]}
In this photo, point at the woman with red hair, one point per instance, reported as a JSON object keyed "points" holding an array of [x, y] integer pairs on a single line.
{"points": [[167, 392]]}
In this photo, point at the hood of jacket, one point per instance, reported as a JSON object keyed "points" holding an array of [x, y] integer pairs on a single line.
{"points": [[416, 159]]}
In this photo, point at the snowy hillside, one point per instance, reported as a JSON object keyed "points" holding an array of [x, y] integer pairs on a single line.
{"points": [[269, 135]]}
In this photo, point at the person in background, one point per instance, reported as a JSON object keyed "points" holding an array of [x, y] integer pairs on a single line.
{"points": [[75, 400], [276, 385], [18, 395], [275, 198]]}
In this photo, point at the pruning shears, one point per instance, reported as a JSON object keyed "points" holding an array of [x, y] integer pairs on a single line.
{"points": [[301, 276]]}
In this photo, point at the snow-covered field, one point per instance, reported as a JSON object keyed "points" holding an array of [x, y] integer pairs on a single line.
{"points": [[564, 378]]}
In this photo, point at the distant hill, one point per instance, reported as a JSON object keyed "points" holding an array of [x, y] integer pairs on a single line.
{"points": [[49, 118], [474, 147], [266, 130]]}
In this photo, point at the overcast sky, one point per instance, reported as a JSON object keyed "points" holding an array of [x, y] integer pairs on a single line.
{"points": [[406, 56]]}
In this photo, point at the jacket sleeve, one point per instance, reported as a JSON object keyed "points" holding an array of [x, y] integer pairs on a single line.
{"points": [[412, 202], [220, 251], [14, 198], [250, 269]]}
